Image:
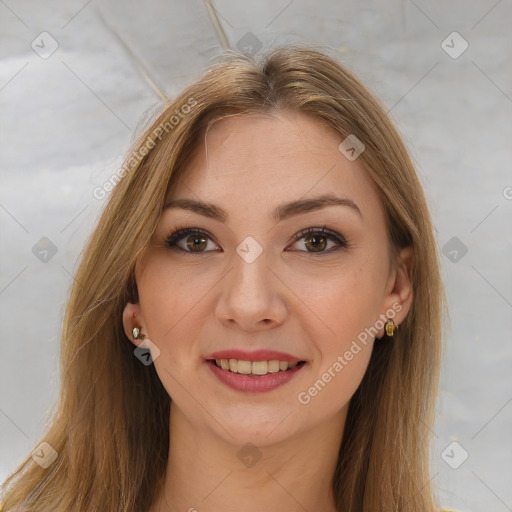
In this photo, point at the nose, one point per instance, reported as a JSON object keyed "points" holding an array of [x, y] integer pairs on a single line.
{"points": [[252, 296]]}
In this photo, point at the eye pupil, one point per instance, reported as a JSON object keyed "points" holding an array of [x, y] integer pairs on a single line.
{"points": [[316, 244], [191, 242]]}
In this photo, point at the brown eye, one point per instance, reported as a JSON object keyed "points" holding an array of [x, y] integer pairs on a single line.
{"points": [[316, 240], [195, 241]]}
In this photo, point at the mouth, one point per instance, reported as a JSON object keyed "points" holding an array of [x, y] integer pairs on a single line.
{"points": [[255, 368], [255, 371]]}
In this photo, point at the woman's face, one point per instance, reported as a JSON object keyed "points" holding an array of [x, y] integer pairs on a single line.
{"points": [[252, 281]]}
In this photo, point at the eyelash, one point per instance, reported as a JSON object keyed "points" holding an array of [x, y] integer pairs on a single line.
{"points": [[181, 231]]}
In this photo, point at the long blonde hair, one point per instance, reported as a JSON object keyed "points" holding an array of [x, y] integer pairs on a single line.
{"points": [[110, 428]]}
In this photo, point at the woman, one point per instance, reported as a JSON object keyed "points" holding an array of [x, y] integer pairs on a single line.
{"points": [[256, 320]]}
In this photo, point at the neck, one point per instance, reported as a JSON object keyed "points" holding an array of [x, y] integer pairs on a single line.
{"points": [[208, 473]]}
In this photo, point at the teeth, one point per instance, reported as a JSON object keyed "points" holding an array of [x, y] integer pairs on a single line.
{"points": [[254, 367], [244, 367], [260, 367], [273, 366]]}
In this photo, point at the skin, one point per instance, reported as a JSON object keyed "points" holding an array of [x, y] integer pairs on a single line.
{"points": [[290, 299]]}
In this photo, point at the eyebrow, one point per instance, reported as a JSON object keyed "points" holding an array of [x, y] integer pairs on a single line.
{"points": [[282, 212]]}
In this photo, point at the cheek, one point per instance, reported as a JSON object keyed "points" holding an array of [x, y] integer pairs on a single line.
{"points": [[336, 382], [347, 304], [344, 298], [347, 308], [169, 296], [170, 302]]}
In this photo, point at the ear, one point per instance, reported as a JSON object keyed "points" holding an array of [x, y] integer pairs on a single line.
{"points": [[132, 317], [399, 292]]}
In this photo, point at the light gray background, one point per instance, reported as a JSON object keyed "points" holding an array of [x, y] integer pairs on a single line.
{"points": [[67, 120]]}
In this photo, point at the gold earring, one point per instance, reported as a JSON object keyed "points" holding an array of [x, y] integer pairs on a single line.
{"points": [[390, 327], [136, 333]]}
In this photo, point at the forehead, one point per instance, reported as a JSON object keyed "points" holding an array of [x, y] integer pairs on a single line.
{"points": [[252, 163]]}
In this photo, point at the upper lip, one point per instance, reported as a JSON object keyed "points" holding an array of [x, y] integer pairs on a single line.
{"points": [[255, 355]]}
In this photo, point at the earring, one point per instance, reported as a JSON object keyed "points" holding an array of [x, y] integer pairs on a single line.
{"points": [[137, 334], [390, 328]]}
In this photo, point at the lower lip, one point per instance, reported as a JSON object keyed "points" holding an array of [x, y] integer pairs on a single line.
{"points": [[254, 384]]}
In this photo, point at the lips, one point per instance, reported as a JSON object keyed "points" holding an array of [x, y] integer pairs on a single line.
{"points": [[257, 371]]}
